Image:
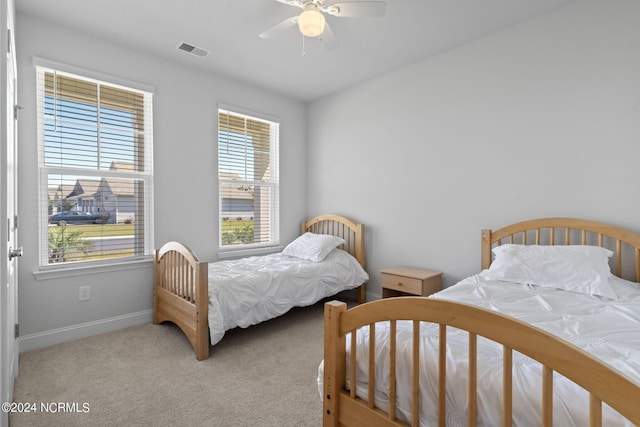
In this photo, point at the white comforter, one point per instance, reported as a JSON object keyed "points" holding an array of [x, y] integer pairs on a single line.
{"points": [[607, 329], [250, 290]]}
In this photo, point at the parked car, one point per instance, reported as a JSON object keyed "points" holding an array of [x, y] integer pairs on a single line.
{"points": [[74, 217], [105, 218]]}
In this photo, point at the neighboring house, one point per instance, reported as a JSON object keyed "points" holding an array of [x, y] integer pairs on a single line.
{"points": [[82, 195], [237, 200], [115, 196], [56, 198]]}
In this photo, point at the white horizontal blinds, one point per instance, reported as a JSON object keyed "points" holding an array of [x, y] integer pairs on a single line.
{"points": [[248, 179], [93, 126], [95, 156]]}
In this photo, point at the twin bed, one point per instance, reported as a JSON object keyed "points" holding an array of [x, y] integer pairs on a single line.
{"points": [[548, 333], [207, 299], [544, 335]]}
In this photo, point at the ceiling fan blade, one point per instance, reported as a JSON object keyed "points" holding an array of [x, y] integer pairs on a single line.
{"points": [[278, 28], [328, 39], [364, 9], [291, 2]]}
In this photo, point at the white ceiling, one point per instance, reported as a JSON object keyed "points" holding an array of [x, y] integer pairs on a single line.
{"points": [[410, 30]]}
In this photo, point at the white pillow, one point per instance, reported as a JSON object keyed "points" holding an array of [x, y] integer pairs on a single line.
{"points": [[311, 246], [577, 268]]}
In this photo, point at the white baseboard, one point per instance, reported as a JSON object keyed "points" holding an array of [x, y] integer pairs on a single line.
{"points": [[83, 330]]}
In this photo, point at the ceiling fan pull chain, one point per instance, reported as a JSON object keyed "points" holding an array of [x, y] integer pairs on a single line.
{"points": [[303, 51]]}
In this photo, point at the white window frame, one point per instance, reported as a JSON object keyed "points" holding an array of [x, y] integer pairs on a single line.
{"points": [[80, 267], [226, 251]]}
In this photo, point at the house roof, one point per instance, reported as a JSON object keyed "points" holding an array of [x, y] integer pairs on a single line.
{"points": [[117, 186], [84, 188], [233, 190], [121, 166], [89, 187], [59, 192], [126, 187]]}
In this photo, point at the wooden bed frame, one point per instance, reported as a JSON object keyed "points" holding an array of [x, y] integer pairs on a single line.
{"points": [[604, 384], [180, 279]]}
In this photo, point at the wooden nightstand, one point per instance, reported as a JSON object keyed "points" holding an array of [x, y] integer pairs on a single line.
{"points": [[397, 281]]}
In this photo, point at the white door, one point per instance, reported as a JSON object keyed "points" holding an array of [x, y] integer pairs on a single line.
{"points": [[8, 207]]}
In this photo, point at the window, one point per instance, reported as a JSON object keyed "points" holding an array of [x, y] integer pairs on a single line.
{"points": [[248, 180], [95, 169]]}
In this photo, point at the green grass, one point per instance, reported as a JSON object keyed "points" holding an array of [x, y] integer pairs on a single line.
{"points": [[100, 255], [101, 230], [66, 242], [234, 225], [237, 232]]}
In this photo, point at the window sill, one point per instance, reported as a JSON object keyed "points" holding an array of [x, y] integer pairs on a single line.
{"points": [[47, 273], [241, 253]]}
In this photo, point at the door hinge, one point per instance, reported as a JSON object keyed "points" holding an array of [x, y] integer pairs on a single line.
{"points": [[15, 222], [9, 40], [17, 330]]}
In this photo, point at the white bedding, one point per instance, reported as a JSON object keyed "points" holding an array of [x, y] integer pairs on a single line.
{"points": [[609, 329], [250, 290]]}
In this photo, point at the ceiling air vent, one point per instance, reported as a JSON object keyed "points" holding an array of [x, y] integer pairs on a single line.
{"points": [[194, 50]]}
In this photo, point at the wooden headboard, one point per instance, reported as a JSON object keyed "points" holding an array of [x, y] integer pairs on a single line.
{"points": [[336, 225], [352, 233], [570, 231]]}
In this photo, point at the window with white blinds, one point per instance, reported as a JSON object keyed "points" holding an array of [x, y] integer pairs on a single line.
{"points": [[95, 169], [248, 179]]}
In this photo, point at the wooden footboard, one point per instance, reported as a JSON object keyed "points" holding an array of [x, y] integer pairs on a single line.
{"points": [[342, 407], [181, 294]]}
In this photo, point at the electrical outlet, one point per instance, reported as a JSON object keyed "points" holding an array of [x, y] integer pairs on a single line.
{"points": [[84, 293]]}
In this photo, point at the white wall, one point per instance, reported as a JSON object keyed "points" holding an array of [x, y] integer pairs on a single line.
{"points": [[186, 207], [542, 119]]}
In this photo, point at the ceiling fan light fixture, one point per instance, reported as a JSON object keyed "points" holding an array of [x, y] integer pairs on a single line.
{"points": [[311, 21]]}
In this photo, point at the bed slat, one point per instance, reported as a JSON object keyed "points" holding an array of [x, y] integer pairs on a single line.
{"points": [[637, 264], [415, 389], [595, 411], [507, 386], [352, 365], [547, 397], [473, 379], [618, 257], [442, 376], [392, 369], [372, 364]]}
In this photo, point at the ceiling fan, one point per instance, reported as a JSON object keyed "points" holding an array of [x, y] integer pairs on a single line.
{"points": [[312, 23]]}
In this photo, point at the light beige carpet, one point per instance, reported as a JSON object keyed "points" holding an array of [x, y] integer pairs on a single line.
{"points": [[147, 375]]}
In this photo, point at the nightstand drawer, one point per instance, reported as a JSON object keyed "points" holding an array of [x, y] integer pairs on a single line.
{"points": [[398, 281], [403, 284]]}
